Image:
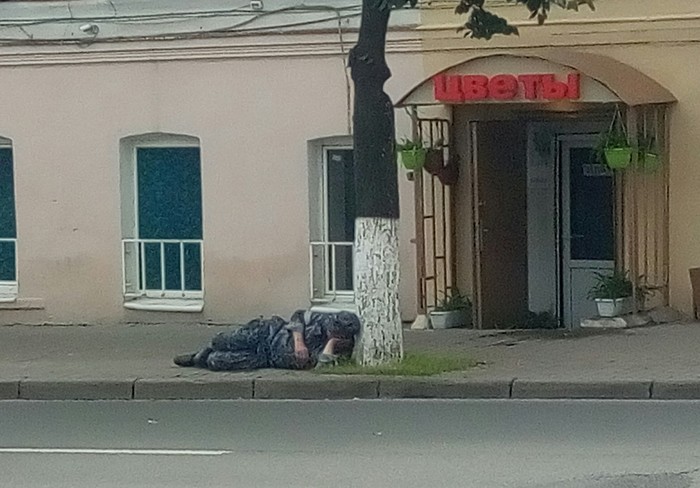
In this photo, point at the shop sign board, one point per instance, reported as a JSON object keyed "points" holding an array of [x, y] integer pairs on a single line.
{"points": [[506, 87]]}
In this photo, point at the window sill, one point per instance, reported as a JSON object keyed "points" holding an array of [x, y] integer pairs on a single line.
{"points": [[183, 305], [12, 302], [333, 307]]}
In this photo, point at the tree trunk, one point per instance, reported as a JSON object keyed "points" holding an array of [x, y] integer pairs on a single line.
{"points": [[377, 195], [377, 290]]}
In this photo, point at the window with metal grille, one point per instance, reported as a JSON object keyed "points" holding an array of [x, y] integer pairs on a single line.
{"points": [[332, 239], [8, 224], [162, 218]]}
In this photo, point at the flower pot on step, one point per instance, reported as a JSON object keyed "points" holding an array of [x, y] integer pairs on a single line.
{"points": [[613, 307], [449, 320]]}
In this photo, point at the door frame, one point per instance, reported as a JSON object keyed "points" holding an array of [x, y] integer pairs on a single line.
{"points": [[563, 216], [586, 124]]}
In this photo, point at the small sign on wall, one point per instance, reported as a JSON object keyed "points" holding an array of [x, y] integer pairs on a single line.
{"points": [[593, 170]]}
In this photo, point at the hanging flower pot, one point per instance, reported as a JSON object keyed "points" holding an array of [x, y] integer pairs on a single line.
{"points": [[411, 154], [618, 157], [412, 159], [614, 148], [433, 161], [650, 162], [449, 174]]}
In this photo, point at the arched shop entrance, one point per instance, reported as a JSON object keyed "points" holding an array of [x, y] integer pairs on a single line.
{"points": [[522, 212]]}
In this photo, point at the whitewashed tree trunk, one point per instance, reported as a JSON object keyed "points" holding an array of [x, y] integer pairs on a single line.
{"points": [[376, 270]]}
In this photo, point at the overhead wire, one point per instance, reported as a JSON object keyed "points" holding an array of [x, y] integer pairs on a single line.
{"points": [[237, 27], [244, 27], [170, 16]]}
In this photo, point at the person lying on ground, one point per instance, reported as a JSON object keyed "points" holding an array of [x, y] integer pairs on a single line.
{"points": [[309, 339]]}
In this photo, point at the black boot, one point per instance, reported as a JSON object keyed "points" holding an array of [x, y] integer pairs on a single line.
{"points": [[199, 360], [185, 360]]}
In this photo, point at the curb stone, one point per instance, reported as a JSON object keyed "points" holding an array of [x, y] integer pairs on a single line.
{"points": [[9, 390], [343, 388], [76, 390], [198, 389], [612, 390], [676, 390], [443, 388], [330, 388]]}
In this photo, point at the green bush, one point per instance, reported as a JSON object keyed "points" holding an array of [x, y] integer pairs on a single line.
{"points": [[611, 286], [453, 301]]}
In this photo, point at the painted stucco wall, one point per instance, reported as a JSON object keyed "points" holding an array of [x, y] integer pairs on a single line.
{"points": [[253, 116], [254, 102]]}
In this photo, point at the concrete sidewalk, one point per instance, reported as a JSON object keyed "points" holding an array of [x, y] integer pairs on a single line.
{"points": [[135, 362]]}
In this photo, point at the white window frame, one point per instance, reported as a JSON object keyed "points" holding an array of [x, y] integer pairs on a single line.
{"points": [[9, 290], [321, 289], [158, 300]]}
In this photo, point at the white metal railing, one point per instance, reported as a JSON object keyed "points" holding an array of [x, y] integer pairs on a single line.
{"points": [[9, 288], [135, 268], [12, 241], [327, 252]]}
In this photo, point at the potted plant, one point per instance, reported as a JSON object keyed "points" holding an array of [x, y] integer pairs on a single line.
{"points": [[612, 294], [649, 160], [449, 174], [614, 147], [434, 158], [412, 154], [452, 311]]}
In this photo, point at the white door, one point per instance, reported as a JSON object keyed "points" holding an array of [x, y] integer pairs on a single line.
{"points": [[587, 226]]}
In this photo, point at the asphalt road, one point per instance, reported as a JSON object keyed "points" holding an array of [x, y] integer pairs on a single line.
{"points": [[533, 444]]}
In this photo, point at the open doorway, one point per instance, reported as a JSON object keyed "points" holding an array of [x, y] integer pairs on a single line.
{"points": [[544, 221]]}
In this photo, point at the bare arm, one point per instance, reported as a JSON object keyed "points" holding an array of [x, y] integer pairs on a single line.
{"points": [[300, 349], [301, 352]]}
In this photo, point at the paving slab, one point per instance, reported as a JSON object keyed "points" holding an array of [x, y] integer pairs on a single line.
{"points": [[104, 362]]}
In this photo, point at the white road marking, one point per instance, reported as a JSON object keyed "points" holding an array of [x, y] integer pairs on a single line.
{"points": [[138, 452]]}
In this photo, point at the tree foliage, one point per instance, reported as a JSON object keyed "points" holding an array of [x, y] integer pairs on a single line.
{"points": [[480, 23]]}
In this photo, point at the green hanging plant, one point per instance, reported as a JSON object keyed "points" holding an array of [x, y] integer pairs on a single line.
{"points": [[649, 160], [411, 154], [614, 148]]}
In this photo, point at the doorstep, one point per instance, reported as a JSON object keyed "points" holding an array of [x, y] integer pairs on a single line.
{"points": [[655, 316], [622, 322]]}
